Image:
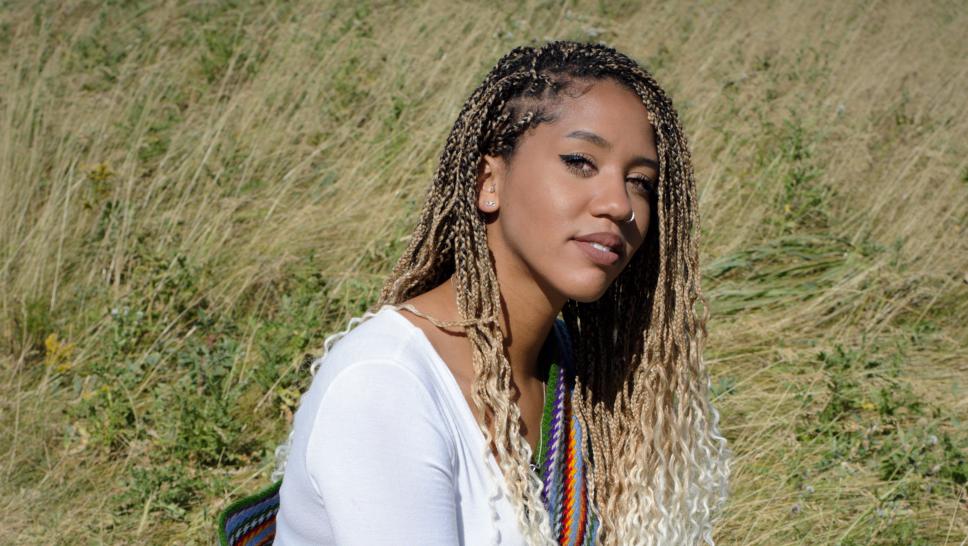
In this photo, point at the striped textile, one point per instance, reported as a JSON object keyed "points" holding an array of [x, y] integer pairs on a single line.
{"points": [[563, 469], [251, 521]]}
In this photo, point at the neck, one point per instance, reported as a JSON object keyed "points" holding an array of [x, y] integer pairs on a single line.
{"points": [[527, 317]]}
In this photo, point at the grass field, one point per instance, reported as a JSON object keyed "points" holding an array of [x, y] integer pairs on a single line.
{"points": [[194, 194]]}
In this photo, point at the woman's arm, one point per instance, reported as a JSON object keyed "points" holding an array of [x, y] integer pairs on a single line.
{"points": [[382, 461]]}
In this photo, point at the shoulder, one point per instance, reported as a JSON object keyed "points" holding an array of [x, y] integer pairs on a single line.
{"points": [[383, 340], [372, 384], [377, 372], [373, 416]]}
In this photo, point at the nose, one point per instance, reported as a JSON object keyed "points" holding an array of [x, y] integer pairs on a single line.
{"points": [[611, 198]]}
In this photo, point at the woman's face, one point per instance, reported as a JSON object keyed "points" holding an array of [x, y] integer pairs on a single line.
{"points": [[583, 174]]}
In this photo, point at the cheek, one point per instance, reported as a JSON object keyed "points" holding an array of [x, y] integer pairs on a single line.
{"points": [[646, 222], [642, 226], [538, 195], [540, 213]]}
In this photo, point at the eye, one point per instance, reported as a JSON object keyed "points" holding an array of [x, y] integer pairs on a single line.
{"points": [[645, 185], [584, 166], [576, 162]]}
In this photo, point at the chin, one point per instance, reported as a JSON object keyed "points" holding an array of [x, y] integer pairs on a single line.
{"points": [[586, 290], [586, 299]]}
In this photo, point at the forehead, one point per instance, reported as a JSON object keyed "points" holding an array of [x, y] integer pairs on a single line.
{"points": [[608, 109]]}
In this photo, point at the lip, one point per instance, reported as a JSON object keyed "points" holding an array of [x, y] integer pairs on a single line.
{"points": [[602, 257]]}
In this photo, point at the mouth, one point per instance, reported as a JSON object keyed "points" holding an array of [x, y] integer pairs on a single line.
{"points": [[602, 249]]}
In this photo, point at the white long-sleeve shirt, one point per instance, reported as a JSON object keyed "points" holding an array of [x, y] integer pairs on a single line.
{"points": [[385, 450]]}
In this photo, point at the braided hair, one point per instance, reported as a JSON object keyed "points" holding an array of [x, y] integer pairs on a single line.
{"points": [[659, 465]]}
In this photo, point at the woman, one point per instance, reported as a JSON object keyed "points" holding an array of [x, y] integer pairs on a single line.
{"points": [[565, 186]]}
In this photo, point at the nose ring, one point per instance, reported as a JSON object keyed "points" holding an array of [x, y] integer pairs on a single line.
{"points": [[632, 219]]}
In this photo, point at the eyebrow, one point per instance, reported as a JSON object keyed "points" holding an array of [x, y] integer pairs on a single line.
{"points": [[597, 140]]}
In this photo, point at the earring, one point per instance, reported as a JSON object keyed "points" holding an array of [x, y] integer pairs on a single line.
{"points": [[491, 189], [632, 219], [490, 203]]}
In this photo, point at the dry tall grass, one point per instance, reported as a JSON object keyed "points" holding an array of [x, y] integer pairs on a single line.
{"points": [[192, 196]]}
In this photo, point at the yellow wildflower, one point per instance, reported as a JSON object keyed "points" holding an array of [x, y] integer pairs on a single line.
{"points": [[100, 172], [57, 353]]}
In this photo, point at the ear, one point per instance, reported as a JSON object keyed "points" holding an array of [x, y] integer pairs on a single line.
{"points": [[490, 179]]}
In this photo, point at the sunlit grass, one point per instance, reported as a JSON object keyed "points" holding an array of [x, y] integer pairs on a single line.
{"points": [[192, 197]]}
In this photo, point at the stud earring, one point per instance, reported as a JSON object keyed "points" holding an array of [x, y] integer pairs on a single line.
{"points": [[490, 203]]}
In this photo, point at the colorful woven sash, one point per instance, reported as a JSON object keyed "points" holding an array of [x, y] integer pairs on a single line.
{"points": [[563, 469], [252, 521]]}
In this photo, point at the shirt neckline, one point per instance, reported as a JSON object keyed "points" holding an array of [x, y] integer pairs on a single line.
{"points": [[451, 383], [449, 379], [465, 409]]}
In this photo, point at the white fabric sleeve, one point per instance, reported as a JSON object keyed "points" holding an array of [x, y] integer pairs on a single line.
{"points": [[380, 457]]}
